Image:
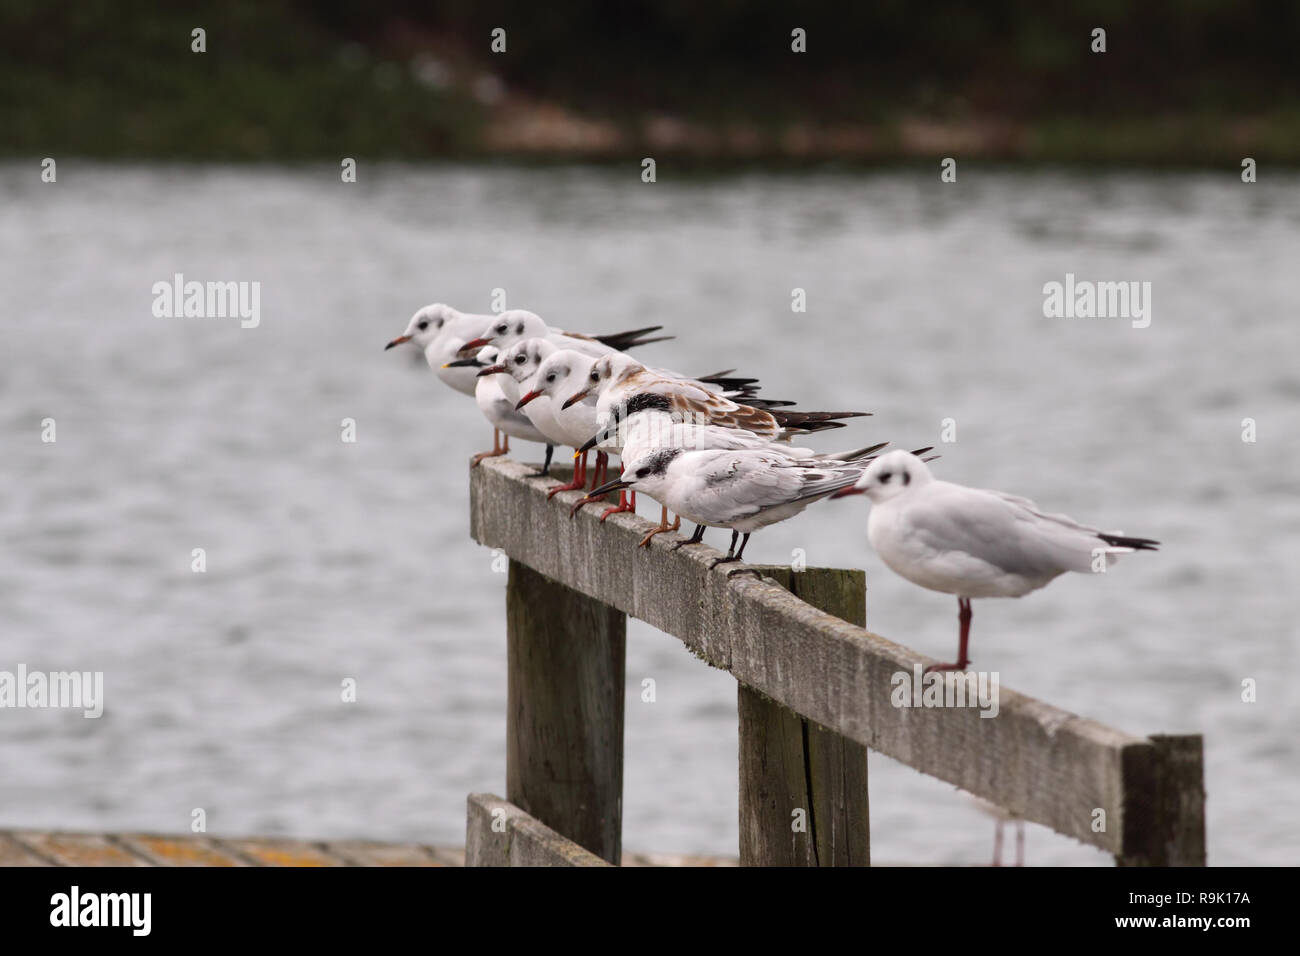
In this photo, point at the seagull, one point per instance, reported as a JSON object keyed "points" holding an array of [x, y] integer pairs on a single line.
{"points": [[515, 325], [741, 489], [975, 543], [616, 379], [554, 374], [648, 422], [649, 426], [496, 395], [440, 332], [542, 369]]}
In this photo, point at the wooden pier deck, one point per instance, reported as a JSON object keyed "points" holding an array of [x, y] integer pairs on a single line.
{"points": [[51, 848]]}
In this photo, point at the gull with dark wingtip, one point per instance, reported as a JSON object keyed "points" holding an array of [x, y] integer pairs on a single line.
{"points": [[741, 489], [975, 543]]}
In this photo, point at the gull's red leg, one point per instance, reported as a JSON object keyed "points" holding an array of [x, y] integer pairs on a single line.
{"points": [[579, 478], [600, 473], [963, 620]]}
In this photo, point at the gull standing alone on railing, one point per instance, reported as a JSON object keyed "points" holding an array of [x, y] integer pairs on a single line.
{"points": [[975, 543]]}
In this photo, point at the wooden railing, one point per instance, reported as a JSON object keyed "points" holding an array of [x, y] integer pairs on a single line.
{"points": [[814, 692]]}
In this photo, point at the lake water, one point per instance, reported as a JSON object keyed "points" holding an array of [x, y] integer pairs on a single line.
{"points": [[328, 560]]}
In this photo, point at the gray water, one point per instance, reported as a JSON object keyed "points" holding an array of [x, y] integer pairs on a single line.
{"points": [[328, 560]]}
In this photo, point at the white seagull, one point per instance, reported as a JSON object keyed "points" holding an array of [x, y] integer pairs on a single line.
{"points": [[552, 375], [544, 372], [515, 325], [741, 489], [496, 395], [440, 332], [975, 543], [648, 426], [618, 380]]}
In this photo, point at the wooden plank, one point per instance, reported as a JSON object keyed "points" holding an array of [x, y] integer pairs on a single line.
{"points": [[1036, 761], [13, 853], [564, 725], [277, 851], [178, 851], [368, 853], [803, 788], [78, 849], [498, 833], [1165, 819]]}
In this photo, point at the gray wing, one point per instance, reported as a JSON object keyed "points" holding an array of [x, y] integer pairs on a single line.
{"points": [[1003, 530], [744, 483]]}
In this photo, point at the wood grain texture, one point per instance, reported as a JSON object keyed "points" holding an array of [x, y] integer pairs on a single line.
{"points": [[564, 724], [518, 839], [1034, 760], [803, 788]]}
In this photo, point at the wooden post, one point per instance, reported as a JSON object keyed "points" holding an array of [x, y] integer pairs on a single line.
{"points": [[564, 725], [803, 788], [1164, 823]]}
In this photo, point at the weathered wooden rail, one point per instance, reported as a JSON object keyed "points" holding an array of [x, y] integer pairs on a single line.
{"points": [[814, 694]]}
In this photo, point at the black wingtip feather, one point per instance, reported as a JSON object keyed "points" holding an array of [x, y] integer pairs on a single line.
{"points": [[732, 384], [626, 340], [806, 419], [816, 426], [1137, 544]]}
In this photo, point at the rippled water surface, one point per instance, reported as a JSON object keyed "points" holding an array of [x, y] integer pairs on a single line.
{"points": [[329, 560]]}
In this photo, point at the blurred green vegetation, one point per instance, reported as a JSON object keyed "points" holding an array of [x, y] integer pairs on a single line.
{"points": [[1191, 81]]}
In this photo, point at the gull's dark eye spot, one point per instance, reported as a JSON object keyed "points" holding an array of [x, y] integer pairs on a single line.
{"points": [[501, 329], [520, 359], [595, 376], [551, 377], [885, 476], [643, 471], [424, 324]]}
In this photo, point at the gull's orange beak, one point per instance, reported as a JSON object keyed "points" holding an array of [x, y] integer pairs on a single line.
{"points": [[491, 370], [473, 344], [850, 490], [527, 398], [397, 341], [576, 398]]}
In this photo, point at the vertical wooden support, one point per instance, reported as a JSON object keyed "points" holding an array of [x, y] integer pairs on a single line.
{"points": [[564, 726], [1164, 824], [803, 788]]}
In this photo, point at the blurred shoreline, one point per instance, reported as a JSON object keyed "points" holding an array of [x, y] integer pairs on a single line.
{"points": [[280, 81]]}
